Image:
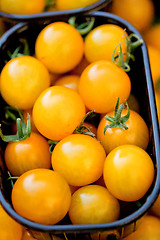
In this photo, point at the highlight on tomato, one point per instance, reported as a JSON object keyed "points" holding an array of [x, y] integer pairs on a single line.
{"points": [[128, 172], [122, 126], [22, 80], [79, 159], [93, 204], [57, 112], [100, 85], [70, 81], [62, 49], [42, 196]]}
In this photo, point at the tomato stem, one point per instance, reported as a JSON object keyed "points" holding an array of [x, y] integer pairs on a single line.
{"points": [[49, 4], [52, 145], [83, 28], [17, 53], [117, 120]]}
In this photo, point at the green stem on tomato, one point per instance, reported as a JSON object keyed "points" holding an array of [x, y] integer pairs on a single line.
{"points": [[83, 28]]}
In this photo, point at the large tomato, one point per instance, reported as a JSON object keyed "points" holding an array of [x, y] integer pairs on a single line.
{"points": [[93, 204], [100, 85], [9, 229], [79, 159], [22, 80], [101, 42], [128, 172], [28, 154], [42, 196], [57, 112], [136, 134], [60, 47]]}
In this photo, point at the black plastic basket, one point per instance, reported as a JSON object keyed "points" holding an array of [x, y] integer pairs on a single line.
{"points": [[142, 88]]}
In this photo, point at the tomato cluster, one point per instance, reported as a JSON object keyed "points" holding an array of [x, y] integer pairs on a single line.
{"points": [[87, 81]]}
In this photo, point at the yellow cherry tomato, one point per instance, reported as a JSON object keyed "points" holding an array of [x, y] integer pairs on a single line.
{"points": [[152, 36], [128, 172], [93, 204], [42, 196], [22, 80], [154, 56], [72, 4], [60, 47], [70, 81]]}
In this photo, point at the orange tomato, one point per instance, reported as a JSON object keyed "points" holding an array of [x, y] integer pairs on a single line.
{"points": [[155, 209], [101, 42], [42, 196], [92, 128], [22, 7], [72, 4], [138, 13], [28, 154], [70, 81], [57, 112], [79, 159], [27, 235], [152, 36], [80, 67], [93, 204], [62, 49], [128, 172], [9, 228], [136, 134], [100, 85], [22, 80], [154, 56]]}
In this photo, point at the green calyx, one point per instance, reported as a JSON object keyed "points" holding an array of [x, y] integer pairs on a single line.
{"points": [[52, 144], [23, 131], [22, 50], [117, 120], [122, 59], [49, 4], [83, 28]]}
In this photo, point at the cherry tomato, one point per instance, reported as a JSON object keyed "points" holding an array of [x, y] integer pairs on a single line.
{"points": [[101, 42], [42, 196], [28, 154], [57, 112], [155, 209], [93, 204], [149, 229], [60, 47], [136, 134], [27, 235], [92, 128], [138, 13], [9, 229], [70, 81], [22, 7], [80, 67], [152, 36], [22, 80], [100, 85], [79, 159], [128, 172], [154, 56], [72, 4]]}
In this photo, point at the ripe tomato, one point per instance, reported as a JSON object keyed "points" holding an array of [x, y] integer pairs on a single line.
{"points": [[80, 67], [152, 36], [70, 81], [9, 229], [27, 235], [154, 56], [132, 165], [28, 154], [155, 209], [42, 196], [92, 128], [100, 85], [72, 4], [60, 47], [102, 41], [79, 159], [93, 204], [22, 7], [22, 80], [138, 13], [57, 112], [149, 229], [136, 134]]}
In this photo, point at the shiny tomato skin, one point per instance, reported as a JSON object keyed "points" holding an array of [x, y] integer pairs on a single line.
{"points": [[42, 196], [9, 228], [57, 112], [70, 81], [101, 42], [93, 204], [72, 4], [149, 229], [100, 85], [79, 159], [22, 80], [22, 7], [28, 154], [27, 235], [128, 172], [60, 47], [136, 134]]}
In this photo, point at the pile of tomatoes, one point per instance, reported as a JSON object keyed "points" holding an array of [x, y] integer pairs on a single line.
{"points": [[90, 170]]}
